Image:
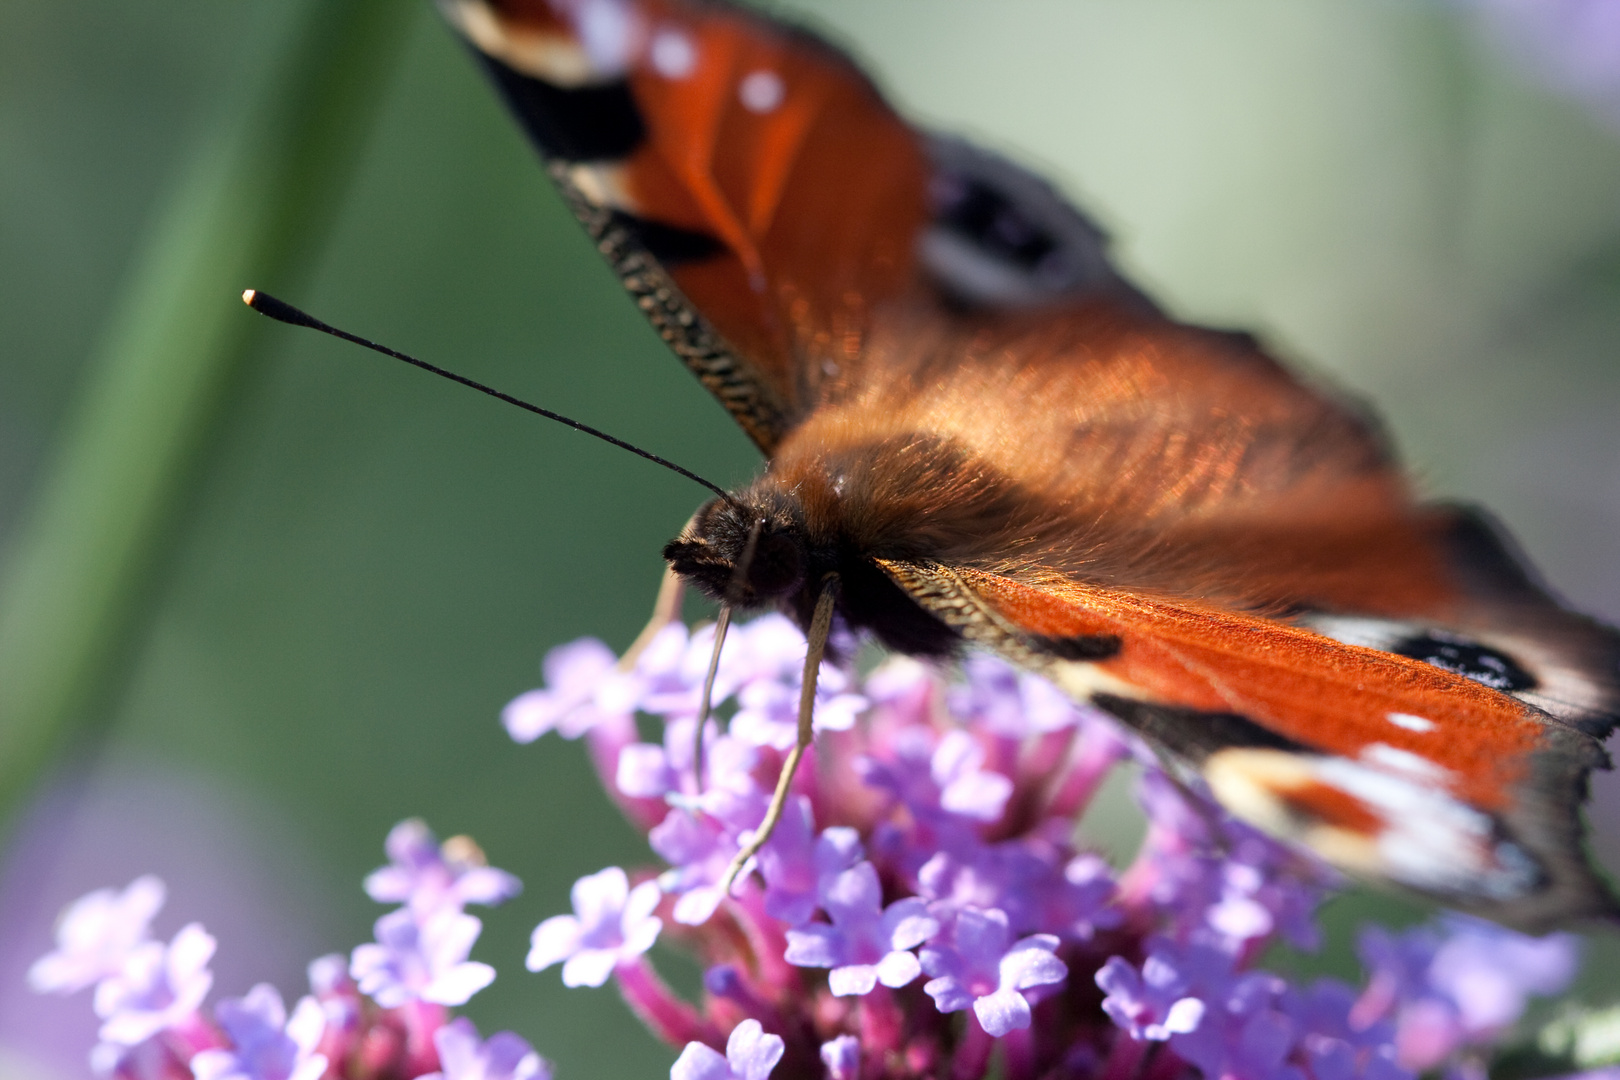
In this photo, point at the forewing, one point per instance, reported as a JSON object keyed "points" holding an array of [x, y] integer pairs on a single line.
{"points": [[759, 198], [747, 182], [1385, 765]]}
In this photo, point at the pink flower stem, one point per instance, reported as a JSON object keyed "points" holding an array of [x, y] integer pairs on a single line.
{"points": [[1018, 1054], [882, 1022], [1093, 762], [973, 1053], [1124, 1058], [422, 1019], [657, 1006]]}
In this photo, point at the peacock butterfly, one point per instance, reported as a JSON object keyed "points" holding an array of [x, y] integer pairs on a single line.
{"points": [[977, 432]]}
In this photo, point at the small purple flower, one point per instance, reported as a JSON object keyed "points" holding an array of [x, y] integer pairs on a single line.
{"points": [[1242, 1032], [651, 771], [339, 997], [575, 675], [1490, 972], [1457, 984], [750, 1055], [1157, 1002], [426, 876], [421, 960], [797, 864], [998, 698], [965, 786], [503, 1056], [699, 849], [1078, 902], [865, 944], [1332, 1047], [159, 986], [265, 1043], [979, 969], [1023, 879], [842, 1056], [612, 923], [768, 710], [95, 935]]}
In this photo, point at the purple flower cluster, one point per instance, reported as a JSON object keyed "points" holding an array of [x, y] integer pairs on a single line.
{"points": [[923, 909], [379, 1013], [926, 866]]}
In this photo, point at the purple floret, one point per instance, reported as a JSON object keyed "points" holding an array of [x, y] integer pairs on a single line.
{"points": [[577, 676], [421, 960], [265, 1044], [977, 968], [159, 986], [503, 1056], [1457, 984], [427, 877], [797, 864], [751, 1054], [96, 935], [612, 924], [842, 1056], [865, 944]]}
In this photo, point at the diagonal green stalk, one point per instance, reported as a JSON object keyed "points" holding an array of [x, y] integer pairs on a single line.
{"points": [[250, 210]]}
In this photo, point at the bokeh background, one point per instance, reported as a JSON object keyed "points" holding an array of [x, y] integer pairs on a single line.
{"points": [[351, 566]]}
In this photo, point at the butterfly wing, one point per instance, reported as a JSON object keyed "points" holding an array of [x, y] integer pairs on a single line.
{"points": [[1388, 766], [758, 197], [1224, 557]]}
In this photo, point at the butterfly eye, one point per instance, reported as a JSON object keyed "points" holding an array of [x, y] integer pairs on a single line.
{"points": [[778, 565]]}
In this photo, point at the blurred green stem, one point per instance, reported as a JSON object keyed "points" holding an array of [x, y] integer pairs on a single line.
{"points": [[249, 211]]}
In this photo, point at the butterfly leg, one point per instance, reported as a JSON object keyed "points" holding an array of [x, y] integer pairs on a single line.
{"points": [[721, 625], [820, 627]]}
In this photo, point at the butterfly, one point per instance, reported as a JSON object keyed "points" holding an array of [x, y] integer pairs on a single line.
{"points": [[978, 433]]}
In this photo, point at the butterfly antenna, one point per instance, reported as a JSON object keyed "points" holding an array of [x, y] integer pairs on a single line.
{"points": [[820, 628], [739, 577], [281, 311]]}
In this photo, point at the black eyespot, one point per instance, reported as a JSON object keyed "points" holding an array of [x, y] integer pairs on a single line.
{"points": [[1469, 659], [987, 217]]}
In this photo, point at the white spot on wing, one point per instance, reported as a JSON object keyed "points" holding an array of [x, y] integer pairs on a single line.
{"points": [[1402, 761], [761, 91], [673, 54], [1379, 634], [607, 30], [1409, 721]]}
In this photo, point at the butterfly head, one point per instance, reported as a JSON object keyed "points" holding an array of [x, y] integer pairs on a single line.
{"points": [[748, 550]]}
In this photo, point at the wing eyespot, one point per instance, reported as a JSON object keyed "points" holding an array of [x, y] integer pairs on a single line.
{"points": [[1002, 236], [1462, 656]]}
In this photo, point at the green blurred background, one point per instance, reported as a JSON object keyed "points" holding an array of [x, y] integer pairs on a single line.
{"points": [[360, 564]]}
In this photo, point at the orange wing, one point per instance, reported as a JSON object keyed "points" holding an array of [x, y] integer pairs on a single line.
{"points": [[1386, 765], [710, 152], [757, 195]]}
